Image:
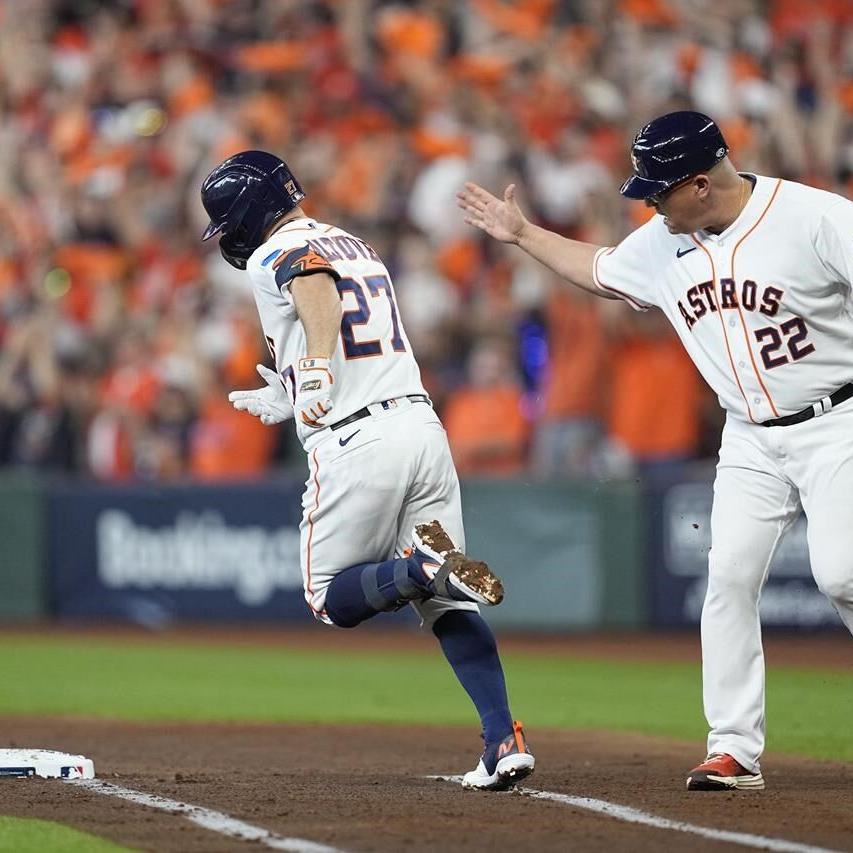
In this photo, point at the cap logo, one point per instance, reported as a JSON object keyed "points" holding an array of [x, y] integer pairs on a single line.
{"points": [[290, 187], [720, 152]]}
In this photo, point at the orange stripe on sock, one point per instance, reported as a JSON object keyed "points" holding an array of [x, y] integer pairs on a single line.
{"points": [[519, 739]]}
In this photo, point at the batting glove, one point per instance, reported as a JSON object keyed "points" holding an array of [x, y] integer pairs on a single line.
{"points": [[314, 392], [270, 404]]}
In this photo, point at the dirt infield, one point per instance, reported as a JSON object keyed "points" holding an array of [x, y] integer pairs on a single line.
{"points": [[362, 788]]}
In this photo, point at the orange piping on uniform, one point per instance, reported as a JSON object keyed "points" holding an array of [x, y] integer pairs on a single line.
{"points": [[723, 325], [740, 313], [602, 286], [311, 532]]}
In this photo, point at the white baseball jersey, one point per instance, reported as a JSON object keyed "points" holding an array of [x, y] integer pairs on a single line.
{"points": [[370, 483], [765, 308], [373, 360], [766, 312]]}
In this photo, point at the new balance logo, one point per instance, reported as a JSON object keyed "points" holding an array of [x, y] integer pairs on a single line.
{"points": [[682, 252], [505, 748]]}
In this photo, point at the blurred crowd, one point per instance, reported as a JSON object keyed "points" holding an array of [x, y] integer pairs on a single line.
{"points": [[122, 334]]}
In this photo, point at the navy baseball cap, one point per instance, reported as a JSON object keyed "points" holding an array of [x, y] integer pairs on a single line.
{"points": [[670, 149]]}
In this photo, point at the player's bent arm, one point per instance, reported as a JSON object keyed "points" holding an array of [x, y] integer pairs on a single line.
{"points": [[319, 308], [570, 259], [318, 305]]}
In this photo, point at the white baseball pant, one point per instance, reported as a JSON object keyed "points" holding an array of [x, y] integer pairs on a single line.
{"points": [[369, 484], [764, 477]]}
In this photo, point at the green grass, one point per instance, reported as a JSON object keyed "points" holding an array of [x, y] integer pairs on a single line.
{"points": [[808, 709], [26, 835]]}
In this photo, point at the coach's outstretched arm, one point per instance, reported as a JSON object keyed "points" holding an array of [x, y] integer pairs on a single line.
{"points": [[504, 221]]}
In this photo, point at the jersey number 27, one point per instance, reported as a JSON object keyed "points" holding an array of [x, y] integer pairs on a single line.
{"points": [[376, 286]]}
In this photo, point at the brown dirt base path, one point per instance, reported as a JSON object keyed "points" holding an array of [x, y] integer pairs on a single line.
{"points": [[361, 788]]}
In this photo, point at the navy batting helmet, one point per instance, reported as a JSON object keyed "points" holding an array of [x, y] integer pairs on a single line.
{"points": [[670, 149], [244, 195]]}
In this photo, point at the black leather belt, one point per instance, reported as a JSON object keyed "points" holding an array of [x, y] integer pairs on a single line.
{"points": [[845, 392], [386, 404]]}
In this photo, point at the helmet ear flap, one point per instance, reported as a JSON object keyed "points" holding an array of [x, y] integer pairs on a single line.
{"points": [[241, 240], [236, 253]]}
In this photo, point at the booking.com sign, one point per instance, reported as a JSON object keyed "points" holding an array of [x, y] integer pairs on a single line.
{"points": [[790, 598], [687, 535]]}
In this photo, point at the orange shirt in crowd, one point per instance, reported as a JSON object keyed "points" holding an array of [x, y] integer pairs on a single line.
{"points": [[576, 345], [227, 444], [132, 387], [487, 430], [655, 398]]}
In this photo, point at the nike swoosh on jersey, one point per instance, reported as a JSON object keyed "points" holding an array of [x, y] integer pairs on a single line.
{"points": [[345, 441], [680, 253]]}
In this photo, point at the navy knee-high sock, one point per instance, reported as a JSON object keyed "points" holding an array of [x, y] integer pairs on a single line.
{"points": [[470, 648], [346, 602]]}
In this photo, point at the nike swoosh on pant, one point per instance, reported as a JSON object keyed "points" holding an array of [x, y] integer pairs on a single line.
{"points": [[344, 441]]}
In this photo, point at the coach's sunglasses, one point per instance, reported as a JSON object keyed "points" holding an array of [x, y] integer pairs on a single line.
{"points": [[656, 198]]}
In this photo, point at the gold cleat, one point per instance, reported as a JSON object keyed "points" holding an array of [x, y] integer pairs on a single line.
{"points": [[455, 575]]}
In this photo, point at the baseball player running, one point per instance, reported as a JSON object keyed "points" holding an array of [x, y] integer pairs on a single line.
{"points": [[382, 520], [755, 273]]}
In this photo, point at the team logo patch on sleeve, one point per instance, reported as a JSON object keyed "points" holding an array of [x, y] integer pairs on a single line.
{"points": [[302, 261]]}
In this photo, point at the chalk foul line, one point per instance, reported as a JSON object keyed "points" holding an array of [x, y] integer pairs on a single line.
{"points": [[206, 818], [632, 815]]}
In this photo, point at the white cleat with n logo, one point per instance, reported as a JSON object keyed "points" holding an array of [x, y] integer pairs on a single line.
{"points": [[503, 764]]}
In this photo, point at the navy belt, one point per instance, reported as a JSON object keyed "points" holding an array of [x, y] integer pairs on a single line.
{"points": [[386, 404], [845, 392]]}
